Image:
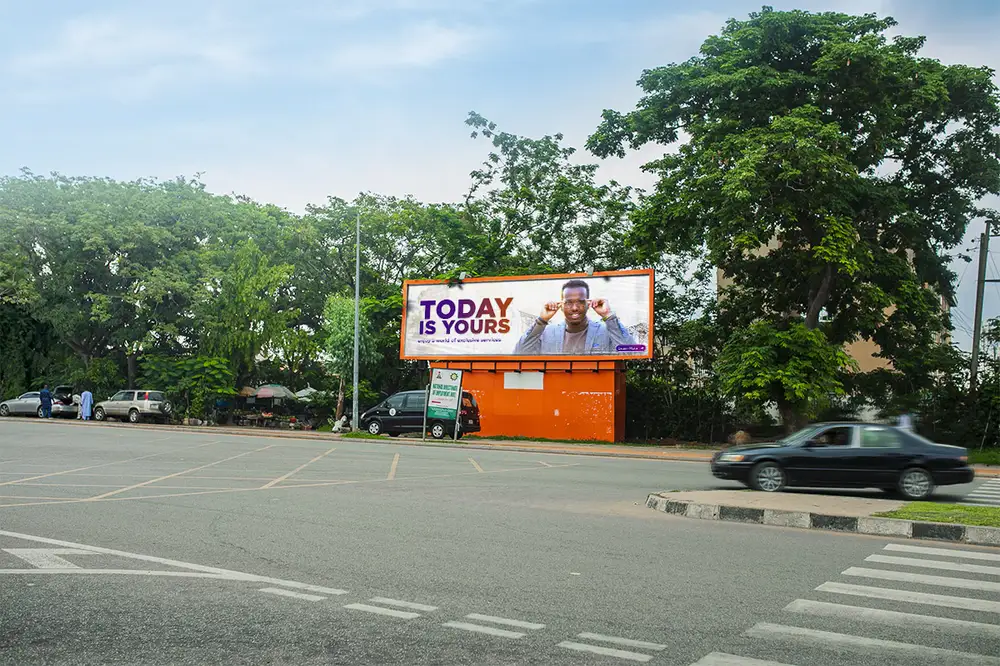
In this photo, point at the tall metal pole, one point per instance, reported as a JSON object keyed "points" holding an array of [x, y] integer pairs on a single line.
{"points": [[357, 322], [977, 330]]}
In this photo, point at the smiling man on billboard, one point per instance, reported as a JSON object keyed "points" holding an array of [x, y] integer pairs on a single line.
{"points": [[578, 335]]}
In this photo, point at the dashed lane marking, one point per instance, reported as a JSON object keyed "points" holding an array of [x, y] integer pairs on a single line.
{"points": [[605, 651], [627, 642], [478, 628], [521, 624], [723, 659], [403, 604], [378, 610], [288, 593]]}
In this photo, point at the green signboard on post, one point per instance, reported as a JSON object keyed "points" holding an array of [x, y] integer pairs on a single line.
{"points": [[445, 394]]}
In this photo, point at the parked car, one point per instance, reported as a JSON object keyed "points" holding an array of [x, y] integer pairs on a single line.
{"points": [[134, 406], [847, 455], [404, 412], [64, 403]]}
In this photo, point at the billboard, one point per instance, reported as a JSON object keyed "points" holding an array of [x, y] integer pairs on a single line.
{"points": [[607, 315]]}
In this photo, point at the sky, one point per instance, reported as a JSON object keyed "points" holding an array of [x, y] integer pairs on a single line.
{"points": [[292, 102]]}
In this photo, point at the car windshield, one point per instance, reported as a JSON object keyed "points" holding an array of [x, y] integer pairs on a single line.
{"points": [[800, 436]]}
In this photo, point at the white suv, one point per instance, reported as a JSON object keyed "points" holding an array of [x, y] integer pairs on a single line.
{"points": [[134, 406]]}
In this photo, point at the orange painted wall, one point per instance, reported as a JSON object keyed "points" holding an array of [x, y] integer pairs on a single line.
{"points": [[578, 401]]}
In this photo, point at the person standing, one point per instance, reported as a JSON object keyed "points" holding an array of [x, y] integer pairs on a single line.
{"points": [[86, 404], [45, 395]]}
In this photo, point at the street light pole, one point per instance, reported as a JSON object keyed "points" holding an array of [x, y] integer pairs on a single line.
{"points": [[357, 321], [984, 251]]}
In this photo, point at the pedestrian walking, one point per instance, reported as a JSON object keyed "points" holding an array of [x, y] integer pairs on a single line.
{"points": [[906, 422], [86, 404], [45, 395]]}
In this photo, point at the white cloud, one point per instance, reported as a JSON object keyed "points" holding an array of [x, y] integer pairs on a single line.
{"points": [[128, 57], [415, 46]]}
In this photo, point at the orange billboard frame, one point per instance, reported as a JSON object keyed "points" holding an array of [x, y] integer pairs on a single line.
{"points": [[537, 358]]}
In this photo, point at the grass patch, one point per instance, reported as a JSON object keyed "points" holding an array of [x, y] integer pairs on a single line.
{"points": [[363, 434], [984, 456], [934, 512]]}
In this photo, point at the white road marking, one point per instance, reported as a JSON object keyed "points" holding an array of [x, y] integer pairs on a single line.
{"points": [[925, 598], [605, 651], [274, 482], [940, 581], [478, 628], [392, 468], [627, 642], [503, 620], [403, 604], [378, 610], [839, 641], [947, 552], [47, 558], [476, 465], [220, 573], [935, 564], [891, 618], [289, 593], [117, 572], [723, 659]]}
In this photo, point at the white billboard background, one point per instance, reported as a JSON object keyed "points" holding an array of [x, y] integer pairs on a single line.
{"points": [[628, 295]]}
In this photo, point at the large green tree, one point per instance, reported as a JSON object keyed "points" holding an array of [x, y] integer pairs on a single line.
{"points": [[829, 171]]}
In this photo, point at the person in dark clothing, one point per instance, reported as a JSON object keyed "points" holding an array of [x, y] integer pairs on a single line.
{"points": [[46, 397]]}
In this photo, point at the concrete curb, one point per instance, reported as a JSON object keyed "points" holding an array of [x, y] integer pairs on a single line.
{"points": [[890, 527]]}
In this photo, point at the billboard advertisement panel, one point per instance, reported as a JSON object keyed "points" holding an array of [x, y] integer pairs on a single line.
{"points": [[607, 315]]}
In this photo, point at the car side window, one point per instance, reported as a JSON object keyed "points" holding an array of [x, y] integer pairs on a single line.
{"points": [[155, 396], [119, 396], [879, 437], [395, 402], [415, 402], [29, 396], [837, 436]]}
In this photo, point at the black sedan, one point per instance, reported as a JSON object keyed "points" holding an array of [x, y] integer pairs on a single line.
{"points": [[847, 455]]}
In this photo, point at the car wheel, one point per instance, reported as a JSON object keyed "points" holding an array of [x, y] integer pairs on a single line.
{"points": [[133, 416], [916, 484], [40, 413], [99, 414], [374, 428], [768, 476], [166, 407], [4, 410], [438, 431]]}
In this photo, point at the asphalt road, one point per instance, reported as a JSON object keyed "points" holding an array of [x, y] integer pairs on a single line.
{"points": [[153, 547]]}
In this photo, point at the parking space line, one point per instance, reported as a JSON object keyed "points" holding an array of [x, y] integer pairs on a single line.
{"points": [[478, 628], [392, 468], [604, 651], [115, 462], [175, 474], [723, 659], [476, 465], [627, 642], [288, 593], [278, 480], [403, 604], [503, 620], [378, 610]]}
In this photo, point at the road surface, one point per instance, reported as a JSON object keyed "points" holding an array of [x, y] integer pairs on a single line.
{"points": [[154, 547]]}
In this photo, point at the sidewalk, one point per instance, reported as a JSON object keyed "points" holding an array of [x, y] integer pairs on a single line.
{"points": [[565, 448], [816, 511]]}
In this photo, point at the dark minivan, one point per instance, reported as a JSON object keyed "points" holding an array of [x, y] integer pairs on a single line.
{"points": [[404, 412]]}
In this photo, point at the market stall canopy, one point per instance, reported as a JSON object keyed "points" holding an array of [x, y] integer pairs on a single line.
{"points": [[274, 391], [247, 391], [305, 393]]}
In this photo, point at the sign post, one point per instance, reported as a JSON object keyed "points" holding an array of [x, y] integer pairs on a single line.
{"points": [[423, 431], [445, 398]]}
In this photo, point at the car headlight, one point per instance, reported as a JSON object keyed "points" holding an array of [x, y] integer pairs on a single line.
{"points": [[732, 457]]}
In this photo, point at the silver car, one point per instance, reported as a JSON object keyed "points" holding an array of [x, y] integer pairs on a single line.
{"points": [[31, 403], [134, 406]]}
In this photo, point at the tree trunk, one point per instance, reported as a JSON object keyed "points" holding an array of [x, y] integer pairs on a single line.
{"points": [[819, 298], [130, 360], [340, 400], [790, 419]]}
